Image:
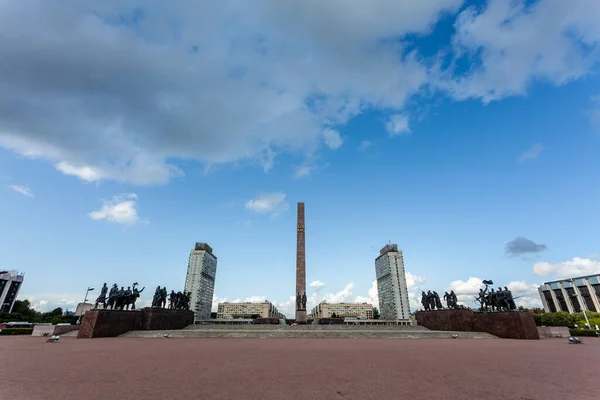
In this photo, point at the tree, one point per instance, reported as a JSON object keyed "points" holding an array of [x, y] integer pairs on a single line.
{"points": [[333, 315], [375, 313]]}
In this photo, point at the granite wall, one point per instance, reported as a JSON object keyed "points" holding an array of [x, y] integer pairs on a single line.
{"points": [[508, 325]]}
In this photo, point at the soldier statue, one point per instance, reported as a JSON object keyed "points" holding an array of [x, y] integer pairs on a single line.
{"points": [[304, 301], [102, 297], [298, 302]]}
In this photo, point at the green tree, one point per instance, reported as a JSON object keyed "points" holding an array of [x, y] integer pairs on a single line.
{"points": [[333, 315], [375, 313]]}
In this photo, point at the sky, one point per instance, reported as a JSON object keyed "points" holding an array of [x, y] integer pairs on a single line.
{"points": [[466, 132]]}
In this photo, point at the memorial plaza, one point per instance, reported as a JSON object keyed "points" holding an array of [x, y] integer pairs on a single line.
{"points": [[173, 369]]}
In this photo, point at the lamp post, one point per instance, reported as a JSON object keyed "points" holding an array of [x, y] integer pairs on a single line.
{"points": [[89, 289], [580, 299]]}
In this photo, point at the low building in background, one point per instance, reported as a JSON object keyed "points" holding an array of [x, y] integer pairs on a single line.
{"points": [[571, 295], [10, 284], [248, 310], [343, 310], [82, 308]]}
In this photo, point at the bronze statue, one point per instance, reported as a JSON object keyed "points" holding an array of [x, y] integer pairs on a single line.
{"points": [[304, 301], [102, 297], [298, 302]]}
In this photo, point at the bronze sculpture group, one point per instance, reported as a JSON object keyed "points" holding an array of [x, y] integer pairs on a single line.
{"points": [[118, 299], [301, 301], [502, 300], [179, 300], [124, 299], [431, 301]]}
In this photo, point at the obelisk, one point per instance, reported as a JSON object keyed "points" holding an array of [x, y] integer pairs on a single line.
{"points": [[300, 268]]}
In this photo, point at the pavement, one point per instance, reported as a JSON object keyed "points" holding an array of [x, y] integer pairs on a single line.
{"points": [[235, 369]]}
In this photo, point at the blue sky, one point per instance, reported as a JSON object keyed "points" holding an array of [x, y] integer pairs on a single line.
{"points": [[468, 133]]}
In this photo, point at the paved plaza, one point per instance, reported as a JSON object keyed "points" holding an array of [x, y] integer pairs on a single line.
{"points": [[173, 369]]}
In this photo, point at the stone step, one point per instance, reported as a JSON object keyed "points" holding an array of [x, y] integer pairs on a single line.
{"points": [[308, 327], [317, 334]]}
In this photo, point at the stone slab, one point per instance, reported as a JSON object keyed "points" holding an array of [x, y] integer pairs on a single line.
{"points": [[40, 330], [508, 325], [553, 331], [162, 318], [109, 323]]}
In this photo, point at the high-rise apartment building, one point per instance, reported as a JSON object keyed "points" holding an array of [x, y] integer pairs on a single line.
{"points": [[10, 283], [391, 284], [200, 280]]}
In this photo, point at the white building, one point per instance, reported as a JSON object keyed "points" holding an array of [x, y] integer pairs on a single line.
{"points": [[391, 284], [200, 280], [10, 283], [571, 295]]}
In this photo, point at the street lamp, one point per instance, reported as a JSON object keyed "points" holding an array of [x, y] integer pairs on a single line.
{"points": [[89, 289], [580, 299]]}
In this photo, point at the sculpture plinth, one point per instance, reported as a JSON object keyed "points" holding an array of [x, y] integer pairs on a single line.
{"points": [[507, 325], [300, 268]]}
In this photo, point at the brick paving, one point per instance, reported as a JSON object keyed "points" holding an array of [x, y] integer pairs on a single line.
{"points": [[232, 369]]}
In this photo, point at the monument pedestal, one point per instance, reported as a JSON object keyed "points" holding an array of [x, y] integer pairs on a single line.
{"points": [[507, 325], [109, 323], [301, 317], [163, 318]]}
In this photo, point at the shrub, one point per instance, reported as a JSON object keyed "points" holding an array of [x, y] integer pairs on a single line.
{"points": [[583, 332], [16, 331]]}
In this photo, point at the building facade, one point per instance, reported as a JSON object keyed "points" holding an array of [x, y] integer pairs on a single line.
{"points": [[571, 295], [342, 310], [391, 284], [10, 284], [200, 280], [248, 310]]}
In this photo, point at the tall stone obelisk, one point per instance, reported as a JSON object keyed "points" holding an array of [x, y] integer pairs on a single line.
{"points": [[300, 268]]}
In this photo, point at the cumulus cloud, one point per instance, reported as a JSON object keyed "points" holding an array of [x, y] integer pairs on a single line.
{"points": [[172, 85], [397, 125], [528, 295], [333, 139], [466, 290], [121, 210], [45, 302], [568, 269], [511, 44], [372, 298], [268, 203], [521, 246], [24, 190], [316, 284], [532, 153]]}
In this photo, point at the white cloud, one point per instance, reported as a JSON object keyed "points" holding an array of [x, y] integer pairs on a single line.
{"points": [[24, 190], [372, 298], [333, 140], [532, 153], [268, 203], [45, 302], [316, 284], [528, 295], [511, 44], [88, 174], [397, 125], [267, 87], [364, 145], [466, 291], [568, 269], [121, 209]]}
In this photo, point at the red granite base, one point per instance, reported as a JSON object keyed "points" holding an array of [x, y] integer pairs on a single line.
{"points": [[162, 318], [109, 323], [507, 325], [112, 323]]}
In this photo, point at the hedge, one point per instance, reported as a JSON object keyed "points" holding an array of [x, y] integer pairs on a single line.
{"points": [[16, 331], [583, 332]]}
